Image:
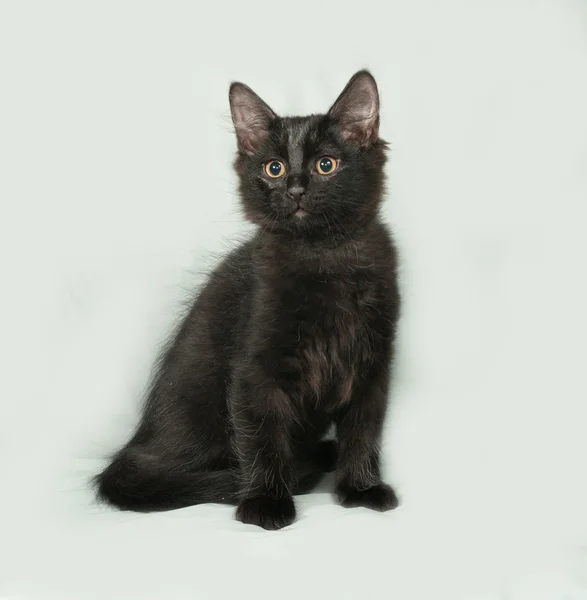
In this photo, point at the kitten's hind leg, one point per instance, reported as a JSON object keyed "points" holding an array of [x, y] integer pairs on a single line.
{"points": [[325, 455], [308, 477], [321, 460]]}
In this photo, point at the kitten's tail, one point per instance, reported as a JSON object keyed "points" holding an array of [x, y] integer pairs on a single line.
{"points": [[147, 485]]}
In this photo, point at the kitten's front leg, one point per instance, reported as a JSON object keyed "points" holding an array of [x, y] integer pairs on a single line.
{"points": [[262, 417], [359, 426]]}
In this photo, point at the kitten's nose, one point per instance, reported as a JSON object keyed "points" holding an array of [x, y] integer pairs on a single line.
{"points": [[296, 193]]}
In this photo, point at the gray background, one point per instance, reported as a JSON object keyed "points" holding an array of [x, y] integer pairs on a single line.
{"points": [[117, 192]]}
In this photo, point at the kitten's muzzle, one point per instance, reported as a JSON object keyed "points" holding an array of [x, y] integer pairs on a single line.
{"points": [[296, 193]]}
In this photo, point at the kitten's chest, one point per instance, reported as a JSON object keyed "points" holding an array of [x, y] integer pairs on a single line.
{"points": [[329, 327], [329, 306]]}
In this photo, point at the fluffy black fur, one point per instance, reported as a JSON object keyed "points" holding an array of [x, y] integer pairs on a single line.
{"points": [[293, 332]]}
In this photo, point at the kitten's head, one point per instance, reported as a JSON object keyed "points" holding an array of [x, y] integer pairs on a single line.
{"points": [[313, 176]]}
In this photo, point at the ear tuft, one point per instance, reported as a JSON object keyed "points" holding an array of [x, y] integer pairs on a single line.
{"points": [[251, 117], [357, 110]]}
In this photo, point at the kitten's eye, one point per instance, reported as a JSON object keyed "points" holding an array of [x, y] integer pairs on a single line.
{"points": [[275, 169], [326, 165]]}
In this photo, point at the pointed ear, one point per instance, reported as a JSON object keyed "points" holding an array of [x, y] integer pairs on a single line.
{"points": [[251, 117], [357, 110]]}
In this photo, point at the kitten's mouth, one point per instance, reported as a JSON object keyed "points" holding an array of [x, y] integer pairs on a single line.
{"points": [[300, 213]]}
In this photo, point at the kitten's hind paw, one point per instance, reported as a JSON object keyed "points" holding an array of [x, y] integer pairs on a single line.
{"points": [[378, 497], [266, 512]]}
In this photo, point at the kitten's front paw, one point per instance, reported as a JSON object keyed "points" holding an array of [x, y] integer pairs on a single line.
{"points": [[379, 497], [266, 512]]}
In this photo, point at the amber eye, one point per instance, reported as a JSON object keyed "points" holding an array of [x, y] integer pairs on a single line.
{"points": [[275, 169], [326, 165]]}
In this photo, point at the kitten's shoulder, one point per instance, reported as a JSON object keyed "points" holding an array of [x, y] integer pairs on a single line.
{"points": [[381, 241], [239, 257], [234, 269]]}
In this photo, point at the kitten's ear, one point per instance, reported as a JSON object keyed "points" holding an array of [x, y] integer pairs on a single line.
{"points": [[251, 117], [357, 109]]}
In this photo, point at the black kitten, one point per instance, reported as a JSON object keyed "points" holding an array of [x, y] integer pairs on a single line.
{"points": [[293, 331]]}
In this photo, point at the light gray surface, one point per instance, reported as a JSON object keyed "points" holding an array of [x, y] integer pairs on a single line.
{"points": [[116, 187]]}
